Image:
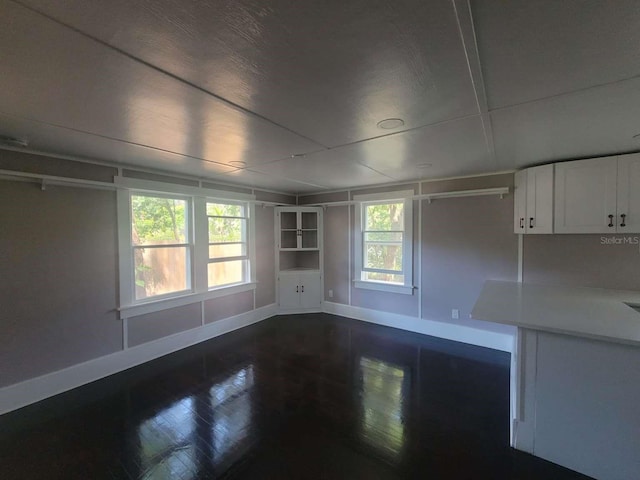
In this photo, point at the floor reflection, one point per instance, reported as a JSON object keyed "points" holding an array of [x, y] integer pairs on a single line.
{"points": [[383, 386], [167, 446], [231, 405], [311, 396]]}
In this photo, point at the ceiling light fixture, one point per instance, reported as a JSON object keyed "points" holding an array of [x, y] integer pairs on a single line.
{"points": [[298, 155], [13, 142], [390, 123], [238, 163], [425, 165]]}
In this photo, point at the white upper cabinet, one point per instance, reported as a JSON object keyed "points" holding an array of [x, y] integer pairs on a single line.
{"points": [[628, 206], [533, 209], [586, 196], [299, 228], [598, 195], [520, 205]]}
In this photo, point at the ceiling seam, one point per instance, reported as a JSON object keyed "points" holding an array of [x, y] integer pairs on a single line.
{"points": [[167, 73], [472, 56], [564, 94], [127, 142]]}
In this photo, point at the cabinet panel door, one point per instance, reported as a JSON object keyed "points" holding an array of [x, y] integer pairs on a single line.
{"points": [[539, 218], [289, 291], [311, 295], [586, 196], [629, 193], [520, 199]]}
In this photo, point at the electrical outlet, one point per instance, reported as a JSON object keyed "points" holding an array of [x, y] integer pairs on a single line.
{"points": [[455, 313], [330, 293]]}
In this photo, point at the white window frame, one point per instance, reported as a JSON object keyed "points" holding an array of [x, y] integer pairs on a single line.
{"points": [[405, 196], [246, 236], [199, 242]]}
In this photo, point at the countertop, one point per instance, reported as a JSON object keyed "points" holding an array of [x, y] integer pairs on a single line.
{"points": [[586, 312]]}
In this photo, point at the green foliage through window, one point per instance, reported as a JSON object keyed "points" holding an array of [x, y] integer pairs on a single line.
{"points": [[382, 242]]}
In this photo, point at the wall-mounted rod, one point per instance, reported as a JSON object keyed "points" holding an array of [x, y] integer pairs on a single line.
{"points": [[501, 191]]}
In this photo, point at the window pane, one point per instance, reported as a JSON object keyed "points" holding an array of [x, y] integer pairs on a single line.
{"points": [[157, 220], [232, 250], [384, 277], [383, 237], [385, 216], [226, 229], [160, 270], [383, 256], [225, 210], [224, 273]]}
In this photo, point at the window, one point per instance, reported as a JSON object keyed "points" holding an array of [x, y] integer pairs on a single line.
{"points": [[177, 246], [228, 253], [384, 248], [160, 240]]}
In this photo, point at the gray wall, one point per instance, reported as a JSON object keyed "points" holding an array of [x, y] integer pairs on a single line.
{"points": [[144, 328], [581, 260], [228, 306], [27, 162], [336, 254], [265, 253], [465, 241], [59, 276]]}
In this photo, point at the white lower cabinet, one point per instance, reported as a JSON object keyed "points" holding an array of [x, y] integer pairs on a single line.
{"points": [[300, 290]]}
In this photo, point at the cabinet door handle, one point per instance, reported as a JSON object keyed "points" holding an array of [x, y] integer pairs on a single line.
{"points": [[530, 222], [302, 288], [522, 222], [610, 221], [297, 291], [623, 217]]}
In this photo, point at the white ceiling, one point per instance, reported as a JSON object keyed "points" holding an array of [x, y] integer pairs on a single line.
{"points": [[295, 89]]}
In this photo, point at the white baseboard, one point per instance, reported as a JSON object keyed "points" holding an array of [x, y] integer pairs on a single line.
{"points": [[33, 390], [449, 331]]}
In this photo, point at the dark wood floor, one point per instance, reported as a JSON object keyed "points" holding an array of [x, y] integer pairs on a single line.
{"points": [[296, 397]]}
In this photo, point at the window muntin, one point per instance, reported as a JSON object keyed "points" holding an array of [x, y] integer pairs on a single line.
{"points": [[228, 243], [383, 238], [160, 240]]}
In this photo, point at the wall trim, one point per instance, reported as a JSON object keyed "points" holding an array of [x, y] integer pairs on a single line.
{"points": [[33, 390], [448, 331], [39, 388]]}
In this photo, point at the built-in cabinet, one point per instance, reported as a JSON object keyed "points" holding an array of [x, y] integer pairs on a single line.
{"points": [[300, 289], [600, 195], [299, 258], [533, 212]]}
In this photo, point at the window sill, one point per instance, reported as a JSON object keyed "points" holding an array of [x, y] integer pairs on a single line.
{"points": [[127, 311], [384, 287]]}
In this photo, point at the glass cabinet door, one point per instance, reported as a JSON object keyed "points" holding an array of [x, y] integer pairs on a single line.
{"points": [[299, 230], [288, 230], [309, 229]]}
